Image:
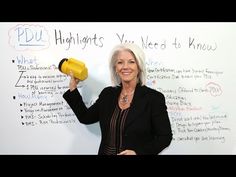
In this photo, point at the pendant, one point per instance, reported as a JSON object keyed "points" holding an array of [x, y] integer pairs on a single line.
{"points": [[124, 99]]}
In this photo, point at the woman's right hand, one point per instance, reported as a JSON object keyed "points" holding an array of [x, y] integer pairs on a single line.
{"points": [[73, 82]]}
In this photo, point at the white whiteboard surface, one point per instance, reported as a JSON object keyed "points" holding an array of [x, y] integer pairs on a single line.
{"points": [[192, 64]]}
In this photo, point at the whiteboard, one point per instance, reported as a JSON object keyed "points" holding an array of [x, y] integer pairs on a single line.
{"points": [[192, 64]]}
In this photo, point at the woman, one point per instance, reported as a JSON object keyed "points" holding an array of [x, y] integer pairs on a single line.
{"points": [[133, 117]]}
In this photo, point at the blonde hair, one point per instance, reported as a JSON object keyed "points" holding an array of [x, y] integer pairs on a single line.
{"points": [[139, 57]]}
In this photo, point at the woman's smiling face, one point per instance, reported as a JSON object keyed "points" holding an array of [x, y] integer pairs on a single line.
{"points": [[126, 66]]}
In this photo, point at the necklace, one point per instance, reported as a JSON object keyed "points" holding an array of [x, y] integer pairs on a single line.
{"points": [[124, 97]]}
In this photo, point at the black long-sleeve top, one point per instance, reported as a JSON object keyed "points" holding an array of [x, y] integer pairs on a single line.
{"points": [[147, 128]]}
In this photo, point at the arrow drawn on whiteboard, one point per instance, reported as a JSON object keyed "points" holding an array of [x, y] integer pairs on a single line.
{"points": [[16, 85]]}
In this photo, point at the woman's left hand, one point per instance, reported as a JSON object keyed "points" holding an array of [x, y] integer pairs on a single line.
{"points": [[127, 152]]}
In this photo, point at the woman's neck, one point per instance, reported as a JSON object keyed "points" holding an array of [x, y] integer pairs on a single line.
{"points": [[128, 87]]}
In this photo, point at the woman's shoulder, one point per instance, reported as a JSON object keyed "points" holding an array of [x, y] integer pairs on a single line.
{"points": [[151, 91], [153, 95], [110, 89]]}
